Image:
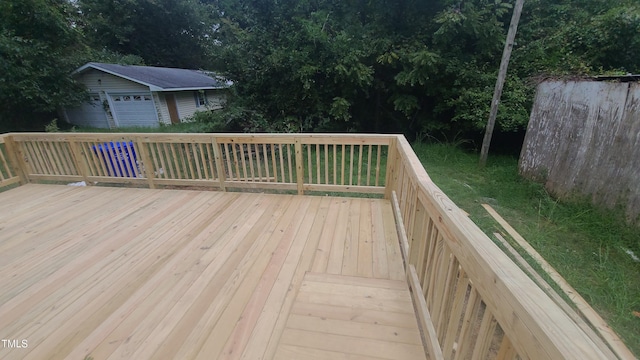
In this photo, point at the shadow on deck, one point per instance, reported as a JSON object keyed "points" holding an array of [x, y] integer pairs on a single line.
{"points": [[136, 273]]}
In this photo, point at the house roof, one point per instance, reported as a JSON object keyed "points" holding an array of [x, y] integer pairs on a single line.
{"points": [[160, 78]]}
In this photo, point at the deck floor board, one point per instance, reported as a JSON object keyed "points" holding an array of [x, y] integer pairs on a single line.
{"points": [[123, 273]]}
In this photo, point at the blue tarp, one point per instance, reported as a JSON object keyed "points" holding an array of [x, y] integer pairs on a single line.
{"points": [[119, 158]]}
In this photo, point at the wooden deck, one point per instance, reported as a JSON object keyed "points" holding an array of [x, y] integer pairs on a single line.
{"points": [[122, 273]]}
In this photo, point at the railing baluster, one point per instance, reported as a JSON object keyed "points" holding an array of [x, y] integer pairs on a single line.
{"points": [[163, 154], [44, 158], [184, 158], [250, 159], [299, 167], [447, 298], [39, 160], [335, 165], [326, 163], [80, 161], [57, 159], [309, 163], [64, 153], [196, 152], [343, 161], [191, 158], [290, 166], [229, 150], [169, 164], [96, 158], [369, 165], [485, 335], [378, 155], [208, 163], [468, 323], [147, 164], [360, 163], [318, 163], [456, 314], [243, 156], [351, 165], [273, 162], [258, 160], [219, 162], [36, 162], [280, 155]]}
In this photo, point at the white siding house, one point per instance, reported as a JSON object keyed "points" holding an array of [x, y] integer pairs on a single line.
{"points": [[126, 95]]}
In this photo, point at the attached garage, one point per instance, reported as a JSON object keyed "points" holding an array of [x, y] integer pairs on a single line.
{"points": [[90, 114], [143, 96], [135, 109]]}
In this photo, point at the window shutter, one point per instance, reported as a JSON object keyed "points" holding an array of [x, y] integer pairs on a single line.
{"points": [[195, 97]]}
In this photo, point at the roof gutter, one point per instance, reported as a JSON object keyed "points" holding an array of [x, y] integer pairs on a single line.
{"points": [[159, 89]]}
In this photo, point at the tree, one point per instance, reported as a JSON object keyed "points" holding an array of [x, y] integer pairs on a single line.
{"points": [[296, 63], [172, 33], [39, 46]]}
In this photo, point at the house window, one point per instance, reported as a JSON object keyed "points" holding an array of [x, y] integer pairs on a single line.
{"points": [[201, 98]]}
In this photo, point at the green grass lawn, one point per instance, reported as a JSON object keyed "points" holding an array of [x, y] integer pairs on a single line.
{"points": [[586, 245]]}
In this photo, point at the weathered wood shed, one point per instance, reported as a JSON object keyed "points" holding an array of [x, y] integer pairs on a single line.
{"points": [[584, 139]]}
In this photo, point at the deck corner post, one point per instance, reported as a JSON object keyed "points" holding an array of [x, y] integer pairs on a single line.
{"points": [[391, 168], [147, 164], [17, 159], [299, 167], [79, 161], [217, 154]]}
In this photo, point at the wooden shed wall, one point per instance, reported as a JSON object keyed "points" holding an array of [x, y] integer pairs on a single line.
{"points": [[584, 138]]}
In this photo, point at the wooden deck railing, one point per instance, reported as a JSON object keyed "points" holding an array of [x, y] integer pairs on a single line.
{"points": [[302, 163], [8, 173], [471, 299]]}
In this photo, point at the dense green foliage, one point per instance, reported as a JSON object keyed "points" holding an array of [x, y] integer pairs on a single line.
{"points": [[171, 33], [421, 68], [37, 45]]}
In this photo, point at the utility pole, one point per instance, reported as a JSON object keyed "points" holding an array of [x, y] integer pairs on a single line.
{"points": [[497, 93]]}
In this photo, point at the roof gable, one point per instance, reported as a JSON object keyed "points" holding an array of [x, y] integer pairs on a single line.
{"points": [[159, 78]]}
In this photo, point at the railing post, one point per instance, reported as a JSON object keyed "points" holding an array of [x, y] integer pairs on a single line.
{"points": [[217, 155], [299, 167], [16, 159], [147, 164], [390, 177], [79, 161]]}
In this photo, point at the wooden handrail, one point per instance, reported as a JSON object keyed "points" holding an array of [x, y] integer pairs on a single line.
{"points": [[469, 282], [279, 162]]}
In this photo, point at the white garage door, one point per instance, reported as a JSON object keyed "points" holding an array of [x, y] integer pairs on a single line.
{"points": [[134, 110], [89, 114]]}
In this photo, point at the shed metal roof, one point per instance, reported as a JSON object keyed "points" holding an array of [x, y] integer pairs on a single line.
{"points": [[160, 78], [621, 78]]}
